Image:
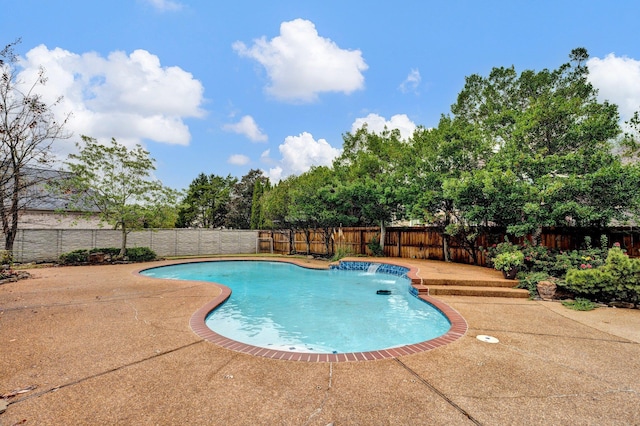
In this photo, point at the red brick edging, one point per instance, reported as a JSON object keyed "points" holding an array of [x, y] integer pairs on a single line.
{"points": [[457, 330]]}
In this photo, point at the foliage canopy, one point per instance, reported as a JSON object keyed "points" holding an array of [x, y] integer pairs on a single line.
{"points": [[118, 182]]}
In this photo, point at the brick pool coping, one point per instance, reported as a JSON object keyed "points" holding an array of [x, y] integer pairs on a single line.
{"points": [[197, 323]]}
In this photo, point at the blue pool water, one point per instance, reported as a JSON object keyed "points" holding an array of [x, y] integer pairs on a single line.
{"points": [[281, 306]]}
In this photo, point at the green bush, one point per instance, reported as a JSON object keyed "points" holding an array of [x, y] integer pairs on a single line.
{"points": [[617, 279], [555, 263], [493, 251], [111, 251], [75, 256], [141, 254], [375, 247], [5, 258], [508, 260], [340, 253], [134, 254]]}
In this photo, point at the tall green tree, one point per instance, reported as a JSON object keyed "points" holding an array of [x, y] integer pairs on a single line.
{"points": [[118, 182], [369, 169], [275, 204], [319, 202], [240, 206], [257, 215], [206, 202], [552, 138], [435, 156]]}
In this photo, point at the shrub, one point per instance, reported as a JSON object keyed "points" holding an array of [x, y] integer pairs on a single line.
{"points": [[134, 254], [537, 258], [340, 253], [496, 249], [141, 254], [507, 261], [75, 256], [617, 279], [375, 247], [5, 258], [111, 251]]}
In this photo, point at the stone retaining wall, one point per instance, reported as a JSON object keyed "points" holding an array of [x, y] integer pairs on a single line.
{"points": [[48, 244]]}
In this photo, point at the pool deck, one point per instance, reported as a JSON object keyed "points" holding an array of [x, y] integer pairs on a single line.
{"points": [[103, 345]]}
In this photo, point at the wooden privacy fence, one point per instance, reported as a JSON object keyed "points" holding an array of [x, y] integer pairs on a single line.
{"points": [[427, 242]]}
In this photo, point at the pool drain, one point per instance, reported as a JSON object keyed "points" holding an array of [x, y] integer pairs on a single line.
{"points": [[487, 339]]}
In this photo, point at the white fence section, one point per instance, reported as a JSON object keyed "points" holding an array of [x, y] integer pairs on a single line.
{"points": [[48, 244]]}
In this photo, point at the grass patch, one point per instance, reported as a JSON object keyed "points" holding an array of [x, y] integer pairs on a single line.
{"points": [[580, 304]]}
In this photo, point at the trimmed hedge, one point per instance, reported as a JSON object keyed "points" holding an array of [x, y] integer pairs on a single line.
{"points": [[133, 254]]}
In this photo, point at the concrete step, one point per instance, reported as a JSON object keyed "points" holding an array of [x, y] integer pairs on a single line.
{"points": [[482, 291], [470, 282]]}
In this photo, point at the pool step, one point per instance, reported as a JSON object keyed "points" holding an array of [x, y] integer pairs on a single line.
{"points": [[499, 282], [466, 290], [497, 288]]}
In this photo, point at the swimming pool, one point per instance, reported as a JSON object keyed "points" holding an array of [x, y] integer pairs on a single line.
{"points": [[284, 307]]}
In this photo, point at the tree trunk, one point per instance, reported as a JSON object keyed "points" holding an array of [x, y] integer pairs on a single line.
{"points": [[383, 234], [291, 242], [445, 248], [10, 225], [536, 236], [445, 239], [123, 247], [9, 238], [307, 237]]}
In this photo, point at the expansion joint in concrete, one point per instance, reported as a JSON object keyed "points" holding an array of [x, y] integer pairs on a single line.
{"points": [[438, 392], [102, 373]]}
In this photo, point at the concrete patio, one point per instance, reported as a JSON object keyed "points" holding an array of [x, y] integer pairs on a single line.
{"points": [[103, 345]]}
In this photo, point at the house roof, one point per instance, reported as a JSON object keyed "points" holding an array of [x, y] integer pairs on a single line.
{"points": [[40, 193]]}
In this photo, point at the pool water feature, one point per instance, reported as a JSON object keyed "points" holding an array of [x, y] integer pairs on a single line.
{"points": [[285, 307]]}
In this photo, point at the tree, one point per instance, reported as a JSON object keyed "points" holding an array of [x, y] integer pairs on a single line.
{"points": [[206, 203], [319, 203], [551, 145], [275, 204], [630, 143], [28, 128], [117, 182], [436, 156], [257, 215], [369, 168], [240, 206]]}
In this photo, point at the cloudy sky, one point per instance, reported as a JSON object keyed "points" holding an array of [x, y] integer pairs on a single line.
{"points": [[225, 87]]}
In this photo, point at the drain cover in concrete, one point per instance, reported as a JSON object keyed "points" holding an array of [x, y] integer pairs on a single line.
{"points": [[487, 339]]}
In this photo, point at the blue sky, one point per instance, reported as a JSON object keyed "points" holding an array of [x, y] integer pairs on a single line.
{"points": [[224, 87]]}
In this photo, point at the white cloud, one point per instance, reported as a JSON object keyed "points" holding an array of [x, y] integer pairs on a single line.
{"points": [[377, 124], [248, 127], [618, 80], [274, 174], [301, 64], [265, 157], [129, 97], [165, 5], [299, 153], [411, 83], [238, 160]]}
